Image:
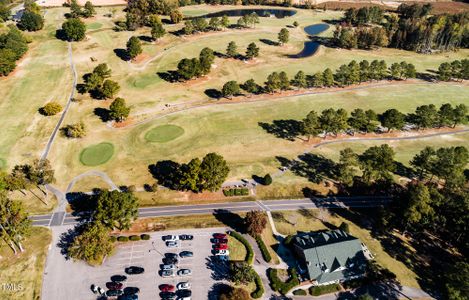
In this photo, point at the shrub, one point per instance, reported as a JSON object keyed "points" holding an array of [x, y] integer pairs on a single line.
{"points": [[73, 30], [249, 252], [324, 289], [50, 109], [134, 238], [123, 239], [113, 238], [280, 286], [31, 21], [145, 237], [264, 250], [288, 240], [299, 293], [259, 291], [77, 130], [267, 179], [344, 227]]}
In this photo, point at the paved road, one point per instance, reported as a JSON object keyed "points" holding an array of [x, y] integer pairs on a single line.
{"points": [[61, 218]]}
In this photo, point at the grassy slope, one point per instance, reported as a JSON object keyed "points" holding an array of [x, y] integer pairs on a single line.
{"points": [[26, 268]]}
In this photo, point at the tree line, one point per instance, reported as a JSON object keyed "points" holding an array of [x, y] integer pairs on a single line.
{"points": [[411, 28], [455, 70], [13, 45], [346, 74], [189, 68], [196, 175]]}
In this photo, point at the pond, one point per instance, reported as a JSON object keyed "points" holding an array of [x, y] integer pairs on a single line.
{"points": [[311, 47], [261, 12]]}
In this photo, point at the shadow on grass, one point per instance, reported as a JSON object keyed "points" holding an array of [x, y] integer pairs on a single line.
{"points": [[230, 219], [284, 129]]}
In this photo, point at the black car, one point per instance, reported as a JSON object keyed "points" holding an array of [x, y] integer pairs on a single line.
{"points": [[171, 255], [131, 290], [184, 293], [119, 278], [185, 254], [186, 237], [134, 270], [170, 260], [114, 293], [168, 295]]}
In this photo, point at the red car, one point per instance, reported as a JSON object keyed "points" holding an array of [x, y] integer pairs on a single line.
{"points": [[167, 288], [220, 247], [219, 235], [114, 285]]}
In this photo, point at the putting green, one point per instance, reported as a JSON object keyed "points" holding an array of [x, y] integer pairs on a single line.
{"points": [[97, 154], [164, 133], [3, 164], [94, 26]]}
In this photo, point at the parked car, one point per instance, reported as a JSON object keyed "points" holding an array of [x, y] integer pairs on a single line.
{"points": [[222, 252], [185, 254], [133, 270], [168, 238], [183, 285], [220, 241], [168, 267], [172, 244], [128, 297], [170, 260], [220, 246], [119, 278], [219, 235], [167, 273], [184, 293], [171, 255], [184, 272], [114, 285], [167, 288], [186, 237], [131, 290], [114, 293], [184, 298], [168, 295]]}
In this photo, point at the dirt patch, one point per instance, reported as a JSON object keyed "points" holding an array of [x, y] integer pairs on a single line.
{"points": [[140, 58], [127, 122]]}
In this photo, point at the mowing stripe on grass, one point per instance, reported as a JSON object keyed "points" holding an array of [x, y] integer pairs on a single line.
{"points": [[164, 133], [97, 154]]}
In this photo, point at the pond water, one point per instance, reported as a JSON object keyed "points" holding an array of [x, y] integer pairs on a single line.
{"points": [[261, 12], [311, 47]]}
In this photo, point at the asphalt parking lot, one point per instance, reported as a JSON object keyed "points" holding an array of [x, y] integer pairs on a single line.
{"points": [[72, 280]]}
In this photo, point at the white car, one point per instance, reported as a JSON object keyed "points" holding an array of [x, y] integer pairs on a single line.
{"points": [[169, 267], [184, 272], [170, 238], [222, 252], [173, 244], [183, 285]]}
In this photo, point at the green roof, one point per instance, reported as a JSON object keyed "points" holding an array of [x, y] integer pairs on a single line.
{"points": [[331, 255]]}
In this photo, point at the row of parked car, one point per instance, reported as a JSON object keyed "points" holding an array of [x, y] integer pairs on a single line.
{"points": [[220, 245], [116, 286]]}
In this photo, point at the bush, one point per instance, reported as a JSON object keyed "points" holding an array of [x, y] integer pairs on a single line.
{"points": [[134, 238], [267, 179], [31, 21], [145, 237], [77, 130], [259, 291], [299, 293], [324, 289], [113, 239], [50, 109], [123, 239], [280, 286], [249, 252], [236, 192], [73, 30], [264, 250]]}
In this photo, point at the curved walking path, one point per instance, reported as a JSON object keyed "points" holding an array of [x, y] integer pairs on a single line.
{"points": [[280, 96]]}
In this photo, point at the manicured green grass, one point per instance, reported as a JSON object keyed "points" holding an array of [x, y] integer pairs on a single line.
{"points": [[237, 249], [97, 154], [94, 26], [164, 133]]}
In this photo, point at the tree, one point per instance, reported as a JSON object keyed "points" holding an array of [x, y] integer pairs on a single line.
{"points": [[118, 110], [418, 209], [328, 78], [377, 163], [423, 162], [296, 24], [358, 120], [300, 80], [7, 61], [232, 49], [252, 51], [267, 180], [31, 21], [284, 81], [230, 88], [445, 72], [273, 82], [333, 121], [459, 115], [372, 117], [283, 36], [109, 89], [134, 47], [50, 109], [188, 27], [255, 222], [213, 172], [241, 273], [311, 125], [189, 68], [77, 130], [75, 9], [14, 222], [157, 31], [392, 119], [456, 281], [40, 172], [189, 175], [102, 70], [92, 245], [251, 86], [225, 22], [206, 58], [5, 13], [425, 116], [116, 209], [88, 10], [214, 23], [176, 16], [74, 29], [348, 164], [450, 164], [445, 115]]}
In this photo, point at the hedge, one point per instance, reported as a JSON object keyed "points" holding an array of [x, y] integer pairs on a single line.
{"points": [[324, 289], [299, 293], [236, 192], [123, 239], [145, 237], [259, 286], [280, 286], [134, 238], [113, 238], [249, 252], [265, 252]]}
